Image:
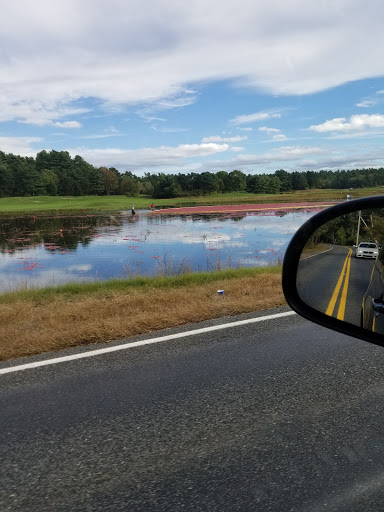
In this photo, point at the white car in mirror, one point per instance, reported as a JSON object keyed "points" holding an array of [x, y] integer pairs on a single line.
{"points": [[367, 250]]}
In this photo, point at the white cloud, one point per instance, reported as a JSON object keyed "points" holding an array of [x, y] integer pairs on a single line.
{"points": [[274, 132], [245, 128], [273, 158], [252, 118], [289, 152], [34, 111], [68, 124], [19, 145], [302, 158], [182, 99], [143, 158], [371, 101], [110, 131], [168, 130], [218, 138], [101, 136], [268, 130], [143, 52], [182, 158], [375, 134], [368, 103], [355, 123]]}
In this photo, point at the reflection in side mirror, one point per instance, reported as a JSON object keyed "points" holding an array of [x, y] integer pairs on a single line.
{"points": [[333, 271], [329, 278]]}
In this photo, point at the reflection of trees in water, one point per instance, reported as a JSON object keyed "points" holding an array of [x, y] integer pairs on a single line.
{"points": [[205, 217], [56, 232], [157, 220], [238, 218]]}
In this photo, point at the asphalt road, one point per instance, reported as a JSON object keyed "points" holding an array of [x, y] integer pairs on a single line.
{"points": [[318, 277], [275, 416]]}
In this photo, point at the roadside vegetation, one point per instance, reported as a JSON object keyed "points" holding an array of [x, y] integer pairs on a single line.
{"points": [[50, 319], [312, 250], [368, 225], [57, 204]]}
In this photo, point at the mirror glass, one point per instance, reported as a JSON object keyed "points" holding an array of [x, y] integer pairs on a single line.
{"points": [[341, 269]]}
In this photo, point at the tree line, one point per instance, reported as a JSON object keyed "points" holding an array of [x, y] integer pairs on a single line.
{"points": [[57, 173], [343, 230]]}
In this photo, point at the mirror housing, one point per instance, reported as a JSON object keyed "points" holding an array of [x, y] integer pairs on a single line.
{"points": [[291, 266]]}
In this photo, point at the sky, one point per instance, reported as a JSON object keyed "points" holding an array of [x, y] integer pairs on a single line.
{"points": [[172, 86]]}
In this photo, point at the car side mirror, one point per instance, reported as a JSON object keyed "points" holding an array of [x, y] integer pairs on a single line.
{"points": [[333, 269]]}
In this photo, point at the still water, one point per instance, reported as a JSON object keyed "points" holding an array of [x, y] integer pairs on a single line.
{"points": [[50, 250]]}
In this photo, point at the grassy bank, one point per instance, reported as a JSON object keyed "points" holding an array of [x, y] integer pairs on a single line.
{"points": [[312, 250], [12, 205], [37, 321]]}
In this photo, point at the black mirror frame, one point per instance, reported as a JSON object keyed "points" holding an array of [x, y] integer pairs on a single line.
{"points": [[292, 259]]}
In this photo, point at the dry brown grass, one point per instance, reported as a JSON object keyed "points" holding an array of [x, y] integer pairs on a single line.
{"points": [[30, 327], [310, 250]]}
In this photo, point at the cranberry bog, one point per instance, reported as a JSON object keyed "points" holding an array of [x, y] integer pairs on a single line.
{"points": [[47, 250]]}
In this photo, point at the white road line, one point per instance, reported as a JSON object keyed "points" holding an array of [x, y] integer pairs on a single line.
{"points": [[106, 350]]}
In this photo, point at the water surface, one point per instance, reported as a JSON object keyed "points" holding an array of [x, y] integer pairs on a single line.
{"points": [[48, 250]]}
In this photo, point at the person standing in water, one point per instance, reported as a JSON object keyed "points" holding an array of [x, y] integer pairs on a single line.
{"points": [[133, 209]]}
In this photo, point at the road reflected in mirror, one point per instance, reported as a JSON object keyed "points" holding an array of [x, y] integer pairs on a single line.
{"points": [[341, 269]]}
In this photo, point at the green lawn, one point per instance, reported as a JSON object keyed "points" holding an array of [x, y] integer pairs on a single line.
{"points": [[113, 203], [54, 203]]}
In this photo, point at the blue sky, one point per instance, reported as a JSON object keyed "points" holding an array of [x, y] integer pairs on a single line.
{"points": [[159, 86]]}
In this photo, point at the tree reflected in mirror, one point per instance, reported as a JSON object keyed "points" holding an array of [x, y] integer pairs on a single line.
{"points": [[341, 269]]}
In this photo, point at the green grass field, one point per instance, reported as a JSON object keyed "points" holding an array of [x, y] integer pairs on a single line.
{"points": [[75, 290], [13, 205]]}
